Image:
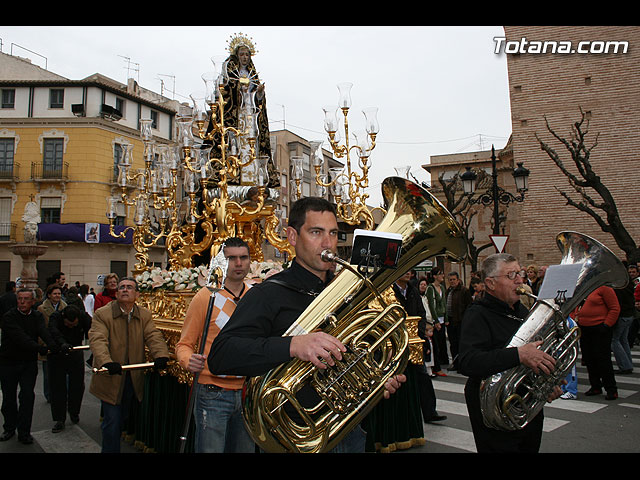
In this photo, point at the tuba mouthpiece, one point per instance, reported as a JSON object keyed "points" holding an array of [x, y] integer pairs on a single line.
{"points": [[328, 256]]}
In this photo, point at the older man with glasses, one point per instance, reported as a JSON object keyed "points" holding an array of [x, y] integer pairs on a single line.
{"points": [[118, 336], [488, 325]]}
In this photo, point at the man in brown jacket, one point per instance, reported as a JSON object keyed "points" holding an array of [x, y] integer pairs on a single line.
{"points": [[118, 336]]}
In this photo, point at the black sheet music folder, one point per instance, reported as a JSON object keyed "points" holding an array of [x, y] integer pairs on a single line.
{"points": [[379, 249]]}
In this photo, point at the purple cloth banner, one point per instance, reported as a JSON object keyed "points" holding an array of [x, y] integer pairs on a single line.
{"points": [[75, 232]]}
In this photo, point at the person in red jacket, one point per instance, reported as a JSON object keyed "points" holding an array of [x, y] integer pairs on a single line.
{"points": [[109, 293], [596, 319]]}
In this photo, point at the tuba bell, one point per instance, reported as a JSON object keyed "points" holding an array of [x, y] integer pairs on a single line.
{"points": [[511, 399], [298, 407]]}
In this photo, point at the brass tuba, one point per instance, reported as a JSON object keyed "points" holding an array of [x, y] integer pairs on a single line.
{"points": [[511, 399], [277, 409]]}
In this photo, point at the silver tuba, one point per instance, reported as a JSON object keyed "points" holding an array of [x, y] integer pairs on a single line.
{"points": [[276, 411], [511, 399]]}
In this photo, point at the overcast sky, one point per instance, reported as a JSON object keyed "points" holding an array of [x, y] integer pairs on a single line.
{"points": [[439, 89]]}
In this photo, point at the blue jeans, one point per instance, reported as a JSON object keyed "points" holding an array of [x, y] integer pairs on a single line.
{"points": [[572, 376], [115, 416], [353, 442], [572, 382], [218, 420], [620, 343]]}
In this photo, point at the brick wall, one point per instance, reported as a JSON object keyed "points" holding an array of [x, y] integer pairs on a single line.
{"points": [[557, 86]]}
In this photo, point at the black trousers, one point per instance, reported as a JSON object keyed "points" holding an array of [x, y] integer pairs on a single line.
{"points": [[440, 338], [490, 440], [17, 408], [66, 384], [595, 343], [427, 392], [453, 332]]}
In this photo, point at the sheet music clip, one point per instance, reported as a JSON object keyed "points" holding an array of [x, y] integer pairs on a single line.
{"points": [[369, 264], [375, 250], [560, 282], [561, 297]]}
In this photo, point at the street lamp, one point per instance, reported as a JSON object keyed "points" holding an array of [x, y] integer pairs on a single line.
{"points": [[495, 194]]}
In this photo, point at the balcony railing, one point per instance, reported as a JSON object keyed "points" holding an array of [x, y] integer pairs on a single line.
{"points": [[46, 172], [9, 172], [7, 232]]}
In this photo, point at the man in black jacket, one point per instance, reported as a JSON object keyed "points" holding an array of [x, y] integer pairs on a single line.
{"points": [[263, 332], [409, 298], [66, 369], [8, 300], [487, 327], [19, 349], [458, 300]]}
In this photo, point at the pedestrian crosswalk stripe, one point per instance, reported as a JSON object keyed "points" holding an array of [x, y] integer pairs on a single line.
{"points": [[452, 408], [71, 440], [576, 405], [448, 386], [625, 379], [451, 437], [550, 424]]}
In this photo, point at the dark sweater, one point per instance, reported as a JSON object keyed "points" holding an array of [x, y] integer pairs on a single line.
{"points": [[487, 327], [20, 333]]}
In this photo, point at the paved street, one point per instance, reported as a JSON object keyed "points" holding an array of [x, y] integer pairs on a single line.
{"points": [[84, 437], [586, 425]]}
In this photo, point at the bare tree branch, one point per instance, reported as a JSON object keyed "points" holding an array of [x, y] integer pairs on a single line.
{"points": [[604, 212]]}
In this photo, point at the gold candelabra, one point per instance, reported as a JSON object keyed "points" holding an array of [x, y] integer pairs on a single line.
{"points": [[208, 154], [152, 188], [347, 185]]}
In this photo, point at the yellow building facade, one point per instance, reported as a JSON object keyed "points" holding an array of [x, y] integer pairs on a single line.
{"points": [[60, 141]]}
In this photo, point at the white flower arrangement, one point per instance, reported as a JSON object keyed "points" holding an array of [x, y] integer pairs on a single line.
{"points": [[184, 280], [262, 270], [193, 279]]}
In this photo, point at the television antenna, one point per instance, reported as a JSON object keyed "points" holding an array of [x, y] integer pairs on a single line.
{"points": [[173, 91], [130, 66]]}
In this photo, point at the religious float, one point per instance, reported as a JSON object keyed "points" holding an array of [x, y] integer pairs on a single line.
{"points": [[219, 181]]}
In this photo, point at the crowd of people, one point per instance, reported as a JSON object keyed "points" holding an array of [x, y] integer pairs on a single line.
{"points": [[463, 328], [43, 327], [53, 328]]}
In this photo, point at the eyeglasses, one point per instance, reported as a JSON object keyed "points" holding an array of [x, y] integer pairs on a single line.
{"points": [[126, 287], [512, 275]]}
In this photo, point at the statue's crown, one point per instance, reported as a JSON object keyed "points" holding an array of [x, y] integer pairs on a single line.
{"points": [[241, 40]]}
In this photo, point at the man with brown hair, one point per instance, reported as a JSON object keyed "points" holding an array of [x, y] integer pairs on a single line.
{"points": [[253, 341], [458, 299], [217, 409]]}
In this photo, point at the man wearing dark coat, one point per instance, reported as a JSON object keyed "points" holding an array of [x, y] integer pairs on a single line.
{"points": [[19, 348]]}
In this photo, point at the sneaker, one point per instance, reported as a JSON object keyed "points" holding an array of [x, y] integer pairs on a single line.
{"points": [[441, 374], [593, 391], [568, 396]]}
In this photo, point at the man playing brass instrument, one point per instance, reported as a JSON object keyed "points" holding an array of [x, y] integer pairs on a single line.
{"points": [[487, 326], [251, 343]]}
